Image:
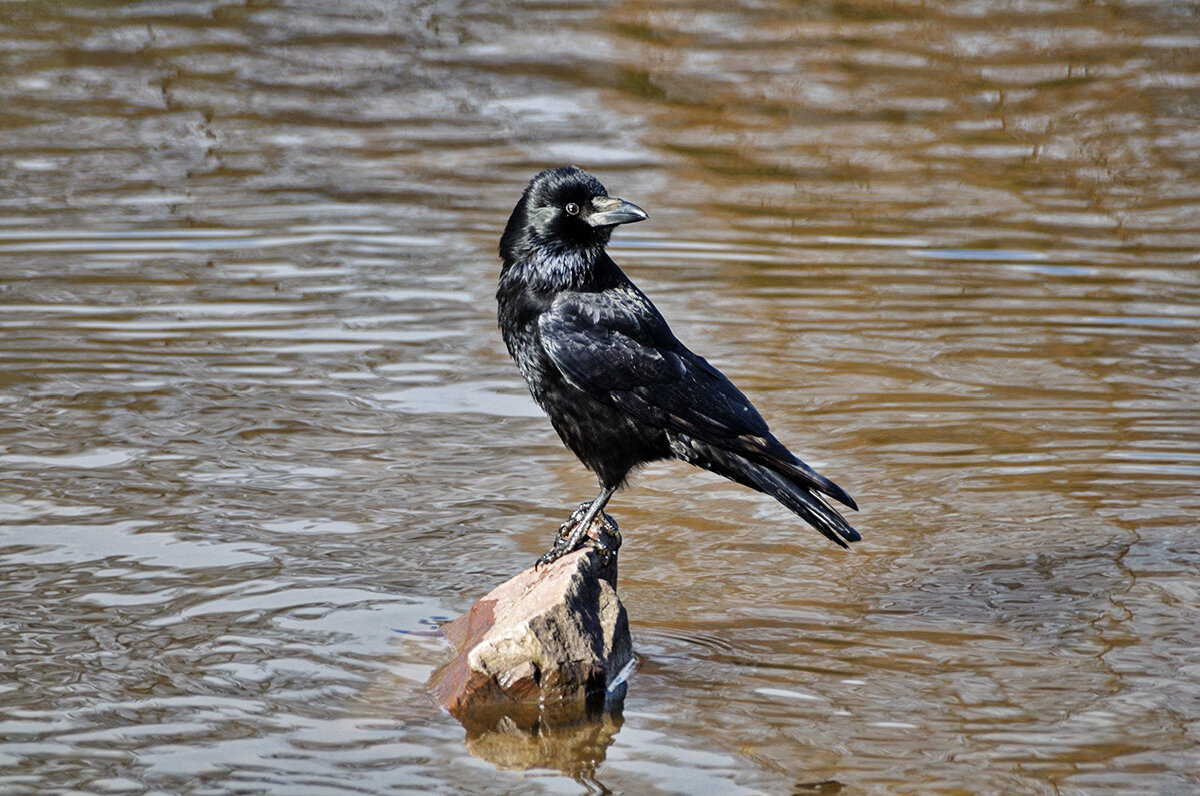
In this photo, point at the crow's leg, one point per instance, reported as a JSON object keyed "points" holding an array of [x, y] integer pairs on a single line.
{"points": [[566, 542]]}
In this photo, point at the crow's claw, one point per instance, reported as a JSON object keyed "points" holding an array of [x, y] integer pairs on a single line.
{"points": [[549, 557], [565, 530], [571, 537]]}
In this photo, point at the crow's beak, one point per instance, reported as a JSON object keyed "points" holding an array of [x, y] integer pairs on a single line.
{"points": [[608, 211]]}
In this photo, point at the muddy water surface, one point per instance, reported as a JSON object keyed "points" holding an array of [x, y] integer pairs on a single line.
{"points": [[258, 433]]}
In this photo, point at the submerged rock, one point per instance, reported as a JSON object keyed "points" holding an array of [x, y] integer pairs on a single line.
{"points": [[556, 636]]}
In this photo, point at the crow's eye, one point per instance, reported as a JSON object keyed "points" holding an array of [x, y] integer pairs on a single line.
{"points": [[572, 209]]}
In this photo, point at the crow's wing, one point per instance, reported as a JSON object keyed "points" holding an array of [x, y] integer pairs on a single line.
{"points": [[615, 346]]}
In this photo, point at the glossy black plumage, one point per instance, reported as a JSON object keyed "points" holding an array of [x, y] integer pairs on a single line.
{"points": [[619, 388]]}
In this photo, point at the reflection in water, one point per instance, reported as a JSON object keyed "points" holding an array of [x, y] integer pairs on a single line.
{"points": [[255, 415], [828, 786], [521, 737]]}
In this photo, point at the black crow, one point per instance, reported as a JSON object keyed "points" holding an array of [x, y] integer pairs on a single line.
{"points": [[601, 361]]}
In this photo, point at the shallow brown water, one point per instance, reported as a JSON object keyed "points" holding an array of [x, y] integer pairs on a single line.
{"points": [[258, 433]]}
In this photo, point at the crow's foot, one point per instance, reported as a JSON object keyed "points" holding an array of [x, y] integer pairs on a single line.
{"points": [[570, 537], [607, 542], [567, 528]]}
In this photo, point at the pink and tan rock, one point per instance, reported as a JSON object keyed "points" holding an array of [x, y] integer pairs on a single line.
{"points": [[556, 636]]}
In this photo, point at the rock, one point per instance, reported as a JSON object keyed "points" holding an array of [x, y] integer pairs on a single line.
{"points": [[556, 637]]}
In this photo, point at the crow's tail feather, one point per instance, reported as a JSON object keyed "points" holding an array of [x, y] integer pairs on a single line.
{"points": [[804, 476], [792, 487], [803, 502]]}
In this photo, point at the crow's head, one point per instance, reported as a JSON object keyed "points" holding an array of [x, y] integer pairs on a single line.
{"points": [[565, 212]]}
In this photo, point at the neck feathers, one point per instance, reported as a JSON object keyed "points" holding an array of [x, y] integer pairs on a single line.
{"points": [[551, 268]]}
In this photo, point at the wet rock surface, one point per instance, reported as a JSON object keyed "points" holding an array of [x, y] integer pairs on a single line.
{"points": [[556, 636]]}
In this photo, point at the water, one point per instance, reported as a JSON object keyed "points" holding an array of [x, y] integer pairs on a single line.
{"points": [[259, 435]]}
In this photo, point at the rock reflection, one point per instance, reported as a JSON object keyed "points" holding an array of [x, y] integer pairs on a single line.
{"points": [[824, 787], [570, 737]]}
